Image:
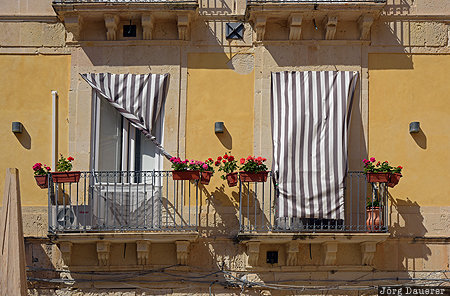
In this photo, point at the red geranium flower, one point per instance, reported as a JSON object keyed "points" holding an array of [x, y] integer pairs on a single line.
{"points": [[242, 160], [70, 158], [225, 156]]}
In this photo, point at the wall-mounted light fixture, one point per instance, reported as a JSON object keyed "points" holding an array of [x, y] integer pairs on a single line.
{"points": [[218, 127], [414, 127], [17, 127]]}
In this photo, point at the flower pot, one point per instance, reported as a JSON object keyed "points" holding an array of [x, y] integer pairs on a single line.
{"points": [[42, 181], [66, 177], [232, 179], [374, 221], [205, 178], [394, 179], [185, 175], [253, 177], [378, 177]]}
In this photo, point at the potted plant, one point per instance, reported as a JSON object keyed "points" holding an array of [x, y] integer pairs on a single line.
{"points": [[184, 169], [395, 176], [374, 221], [379, 172], [41, 172], [207, 170], [253, 169], [228, 165], [64, 172]]}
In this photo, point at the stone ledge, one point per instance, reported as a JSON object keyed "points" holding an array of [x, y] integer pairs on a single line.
{"points": [[315, 238]]}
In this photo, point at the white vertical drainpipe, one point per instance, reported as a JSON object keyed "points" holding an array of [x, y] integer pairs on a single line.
{"points": [[54, 128]]}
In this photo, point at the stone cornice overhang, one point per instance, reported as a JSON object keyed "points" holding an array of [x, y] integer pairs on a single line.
{"points": [[307, 238]]}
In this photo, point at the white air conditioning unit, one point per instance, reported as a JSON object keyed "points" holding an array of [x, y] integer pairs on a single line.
{"points": [[71, 217]]}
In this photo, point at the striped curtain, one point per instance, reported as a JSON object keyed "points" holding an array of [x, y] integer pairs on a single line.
{"points": [[138, 98], [310, 118]]}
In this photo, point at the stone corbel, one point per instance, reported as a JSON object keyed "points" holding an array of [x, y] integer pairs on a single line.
{"points": [[295, 29], [330, 23], [182, 252], [103, 252], [365, 23], [368, 250], [183, 27], [111, 23], [147, 21], [253, 253], [66, 251], [73, 24], [260, 27], [330, 252], [292, 249], [143, 252]]}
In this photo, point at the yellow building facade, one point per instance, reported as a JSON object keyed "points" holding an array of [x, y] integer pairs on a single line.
{"points": [[204, 239]]}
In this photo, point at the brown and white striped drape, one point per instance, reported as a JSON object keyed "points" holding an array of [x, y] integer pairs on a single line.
{"points": [[310, 118], [138, 98]]}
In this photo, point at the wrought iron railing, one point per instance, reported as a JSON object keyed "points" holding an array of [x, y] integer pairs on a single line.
{"points": [[316, 1], [120, 1], [258, 212], [123, 201]]}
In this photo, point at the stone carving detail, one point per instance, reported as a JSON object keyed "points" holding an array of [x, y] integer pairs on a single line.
{"points": [[292, 249], [143, 252], [147, 26], [260, 27], [365, 23], [368, 250], [253, 253], [183, 27], [73, 24], [330, 25], [295, 30], [182, 252], [330, 252], [103, 252], [111, 23], [66, 251]]}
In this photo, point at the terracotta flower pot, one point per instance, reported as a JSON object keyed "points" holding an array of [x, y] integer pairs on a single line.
{"points": [[378, 177], [66, 177], [42, 181], [374, 221], [232, 179], [185, 175], [253, 177], [206, 177], [394, 179]]}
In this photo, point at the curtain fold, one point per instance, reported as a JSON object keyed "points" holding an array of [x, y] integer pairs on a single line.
{"points": [[310, 118]]}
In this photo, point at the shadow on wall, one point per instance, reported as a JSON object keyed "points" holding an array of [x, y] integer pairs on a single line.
{"points": [[225, 138], [24, 138], [420, 138]]}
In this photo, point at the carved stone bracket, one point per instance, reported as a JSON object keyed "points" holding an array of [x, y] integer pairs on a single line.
{"points": [[295, 30], [368, 250], [66, 251], [73, 24], [253, 253], [143, 252], [292, 249], [182, 252], [111, 23], [260, 27], [183, 27], [330, 25], [147, 21], [330, 252], [103, 252], [365, 23]]}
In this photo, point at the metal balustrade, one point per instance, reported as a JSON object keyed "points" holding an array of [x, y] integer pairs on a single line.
{"points": [[316, 1], [258, 209], [118, 1], [123, 201]]}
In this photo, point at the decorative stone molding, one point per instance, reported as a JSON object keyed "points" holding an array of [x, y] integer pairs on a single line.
{"points": [[292, 249], [365, 23], [330, 252], [73, 24], [183, 27], [182, 252], [295, 29], [147, 21], [253, 253], [143, 252], [111, 23], [66, 251], [260, 27], [330, 25], [368, 250], [103, 252]]}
